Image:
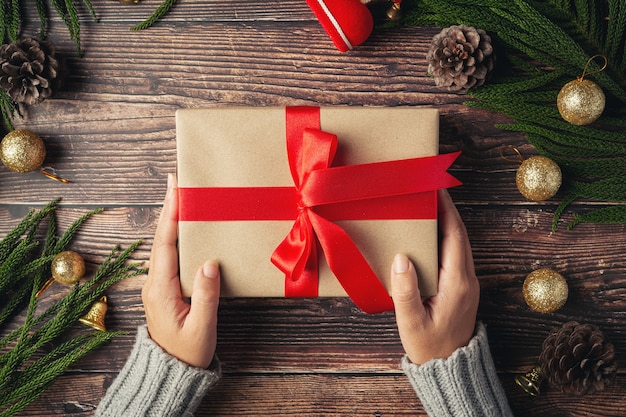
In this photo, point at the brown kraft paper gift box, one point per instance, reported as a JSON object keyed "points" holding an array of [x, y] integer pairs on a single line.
{"points": [[245, 147]]}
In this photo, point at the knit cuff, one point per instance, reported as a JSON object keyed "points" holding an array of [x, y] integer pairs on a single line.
{"points": [[153, 382], [464, 384]]}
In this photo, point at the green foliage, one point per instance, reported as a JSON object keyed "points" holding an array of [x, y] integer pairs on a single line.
{"points": [[160, 11], [12, 11], [11, 17], [28, 365], [540, 46]]}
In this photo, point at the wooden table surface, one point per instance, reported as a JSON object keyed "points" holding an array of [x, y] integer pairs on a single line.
{"points": [[111, 131]]}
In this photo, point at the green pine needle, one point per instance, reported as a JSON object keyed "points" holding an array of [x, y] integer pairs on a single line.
{"points": [[27, 365], [160, 11], [607, 215]]}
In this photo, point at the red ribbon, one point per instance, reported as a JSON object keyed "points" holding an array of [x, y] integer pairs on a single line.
{"points": [[402, 189]]}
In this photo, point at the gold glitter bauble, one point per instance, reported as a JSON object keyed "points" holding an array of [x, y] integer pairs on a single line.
{"points": [[68, 267], [22, 151], [545, 290], [538, 178], [581, 102]]}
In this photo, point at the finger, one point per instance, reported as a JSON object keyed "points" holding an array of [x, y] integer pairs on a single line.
{"points": [[405, 291], [164, 255], [456, 252], [205, 295]]}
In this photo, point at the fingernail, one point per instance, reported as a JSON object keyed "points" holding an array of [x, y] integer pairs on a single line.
{"points": [[210, 269], [400, 264]]}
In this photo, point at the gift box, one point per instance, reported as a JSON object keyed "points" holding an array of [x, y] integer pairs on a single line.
{"points": [[308, 201]]}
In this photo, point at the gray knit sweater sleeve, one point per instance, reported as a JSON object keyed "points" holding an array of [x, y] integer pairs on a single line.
{"points": [[153, 383], [465, 384]]}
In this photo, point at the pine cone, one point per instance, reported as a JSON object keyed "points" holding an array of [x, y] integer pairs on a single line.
{"points": [[577, 358], [28, 69], [460, 57]]}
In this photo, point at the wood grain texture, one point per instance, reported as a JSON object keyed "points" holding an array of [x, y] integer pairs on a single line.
{"points": [[111, 131]]}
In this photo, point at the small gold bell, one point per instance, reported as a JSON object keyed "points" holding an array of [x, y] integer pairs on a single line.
{"points": [[530, 381], [394, 13], [95, 316]]}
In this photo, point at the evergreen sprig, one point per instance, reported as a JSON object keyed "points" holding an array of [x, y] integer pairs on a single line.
{"points": [[542, 45], [158, 13], [27, 365], [12, 15]]}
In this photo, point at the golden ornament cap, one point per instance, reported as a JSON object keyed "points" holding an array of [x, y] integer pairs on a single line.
{"points": [[530, 382], [581, 102], [545, 290], [22, 151], [67, 267], [538, 178], [96, 314]]}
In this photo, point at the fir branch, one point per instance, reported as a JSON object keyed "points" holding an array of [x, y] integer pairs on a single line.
{"points": [[30, 390], [28, 225], [20, 296], [160, 11], [615, 31], [3, 18], [23, 379], [70, 308], [547, 44], [42, 12], [59, 7], [8, 107], [91, 10], [607, 215], [74, 23], [14, 24], [8, 275], [561, 208], [71, 231]]}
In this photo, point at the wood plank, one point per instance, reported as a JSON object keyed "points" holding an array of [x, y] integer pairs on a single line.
{"points": [[328, 395], [111, 131], [272, 334]]}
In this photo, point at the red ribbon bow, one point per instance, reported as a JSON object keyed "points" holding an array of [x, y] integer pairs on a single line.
{"points": [[376, 186], [401, 189]]}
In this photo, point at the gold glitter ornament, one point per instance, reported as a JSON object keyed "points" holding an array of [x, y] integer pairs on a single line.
{"points": [[67, 268], [545, 290], [538, 178], [581, 102], [23, 151]]}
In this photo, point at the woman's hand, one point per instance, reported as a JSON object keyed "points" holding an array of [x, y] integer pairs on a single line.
{"points": [[435, 327], [186, 331]]}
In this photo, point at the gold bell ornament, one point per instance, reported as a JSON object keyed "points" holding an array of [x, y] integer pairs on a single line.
{"points": [[67, 268], [530, 382], [538, 178], [393, 13], [95, 316], [582, 101], [23, 151], [545, 290]]}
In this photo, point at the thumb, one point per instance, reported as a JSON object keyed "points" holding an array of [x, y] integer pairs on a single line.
{"points": [[404, 290], [206, 293]]}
